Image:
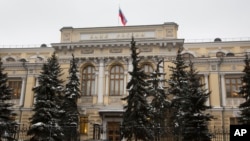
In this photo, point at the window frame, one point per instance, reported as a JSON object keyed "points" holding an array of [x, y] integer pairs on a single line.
{"points": [[83, 125], [232, 81], [147, 68], [16, 85], [116, 78], [88, 81]]}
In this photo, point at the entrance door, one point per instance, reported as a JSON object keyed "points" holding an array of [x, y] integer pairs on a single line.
{"points": [[113, 131]]}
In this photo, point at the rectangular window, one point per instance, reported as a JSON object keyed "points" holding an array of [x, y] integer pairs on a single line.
{"points": [[84, 125], [233, 84], [16, 85], [234, 120]]}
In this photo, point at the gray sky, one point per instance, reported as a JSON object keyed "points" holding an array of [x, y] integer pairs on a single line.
{"points": [[26, 22]]}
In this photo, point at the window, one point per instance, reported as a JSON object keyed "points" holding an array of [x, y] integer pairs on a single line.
{"points": [[116, 80], [230, 55], [16, 85], [88, 81], [96, 132], [84, 125], [10, 59], [234, 120], [233, 84], [147, 68], [187, 56], [113, 130], [220, 54]]}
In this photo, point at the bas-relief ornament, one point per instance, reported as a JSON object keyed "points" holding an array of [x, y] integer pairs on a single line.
{"points": [[169, 33], [115, 50], [66, 37], [145, 49], [87, 51]]}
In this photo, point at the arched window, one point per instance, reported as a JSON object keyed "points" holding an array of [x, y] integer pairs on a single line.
{"points": [[230, 55], [187, 56], [148, 68], [220, 54], [10, 59], [116, 82], [88, 81]]}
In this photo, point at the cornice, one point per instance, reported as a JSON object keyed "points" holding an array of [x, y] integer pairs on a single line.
{"points": [[217, 60], [119, 43]]}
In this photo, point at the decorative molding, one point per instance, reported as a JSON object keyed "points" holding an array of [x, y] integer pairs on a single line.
{"points": [[87, 51], [66, 37], [115, 50], [170, 33], [118, 35], [146, 49]]}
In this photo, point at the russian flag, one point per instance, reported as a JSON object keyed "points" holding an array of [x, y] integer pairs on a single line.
{"points": [[123, 19]]}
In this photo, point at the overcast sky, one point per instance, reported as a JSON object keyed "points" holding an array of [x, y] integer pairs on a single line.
{"points": [[39, 21]]}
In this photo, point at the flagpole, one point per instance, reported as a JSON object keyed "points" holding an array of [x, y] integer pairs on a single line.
{"points": [[118, 22]]}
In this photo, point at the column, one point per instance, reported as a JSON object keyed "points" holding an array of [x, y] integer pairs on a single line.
{"points": [[96, 82], [214, 86], [36, 84], [206, 87], [223, 93], [22, 92], [100, 82], [125, 83], [107, 82]]}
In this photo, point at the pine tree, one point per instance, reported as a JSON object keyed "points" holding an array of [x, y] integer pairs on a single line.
{"points": [[178, 87], [45, 120], [160, 104], [6, 113], [196, 120], [72, 93], [137, 123], [245, 92]]}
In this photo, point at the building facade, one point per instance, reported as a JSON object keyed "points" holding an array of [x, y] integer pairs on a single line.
{"points": [[104, 63]]}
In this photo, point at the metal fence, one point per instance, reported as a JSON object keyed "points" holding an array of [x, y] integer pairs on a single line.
{"points": [[218, 134]]}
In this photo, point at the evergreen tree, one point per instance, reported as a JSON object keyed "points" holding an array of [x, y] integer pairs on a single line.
{"points": [[72, 93], [245, 92], [178, 87], [6, 113], [47, 113], [137, 118], [196, 120], [160, 104]]}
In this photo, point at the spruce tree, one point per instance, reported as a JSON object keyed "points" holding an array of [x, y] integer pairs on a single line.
{"points": [[6, 113], [137, 118], [72, 93], [47, 113], [196, 120], [245, 92], [160, 104], [178, 88]]}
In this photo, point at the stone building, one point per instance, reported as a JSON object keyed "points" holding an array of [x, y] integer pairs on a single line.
{"points": [[104, 63]]}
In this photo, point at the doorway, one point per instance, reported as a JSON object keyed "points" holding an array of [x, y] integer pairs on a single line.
{"points": [[113, 129]]}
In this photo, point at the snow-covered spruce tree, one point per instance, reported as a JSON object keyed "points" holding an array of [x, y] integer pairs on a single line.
{"points": [[245, 92], [72, 93], [47, 113], [160, 103], [178, 88], [196, 120], [137, 123], [6, 122]]}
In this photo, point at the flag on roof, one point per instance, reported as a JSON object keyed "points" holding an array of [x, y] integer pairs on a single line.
{"points": [[123, 19]]}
